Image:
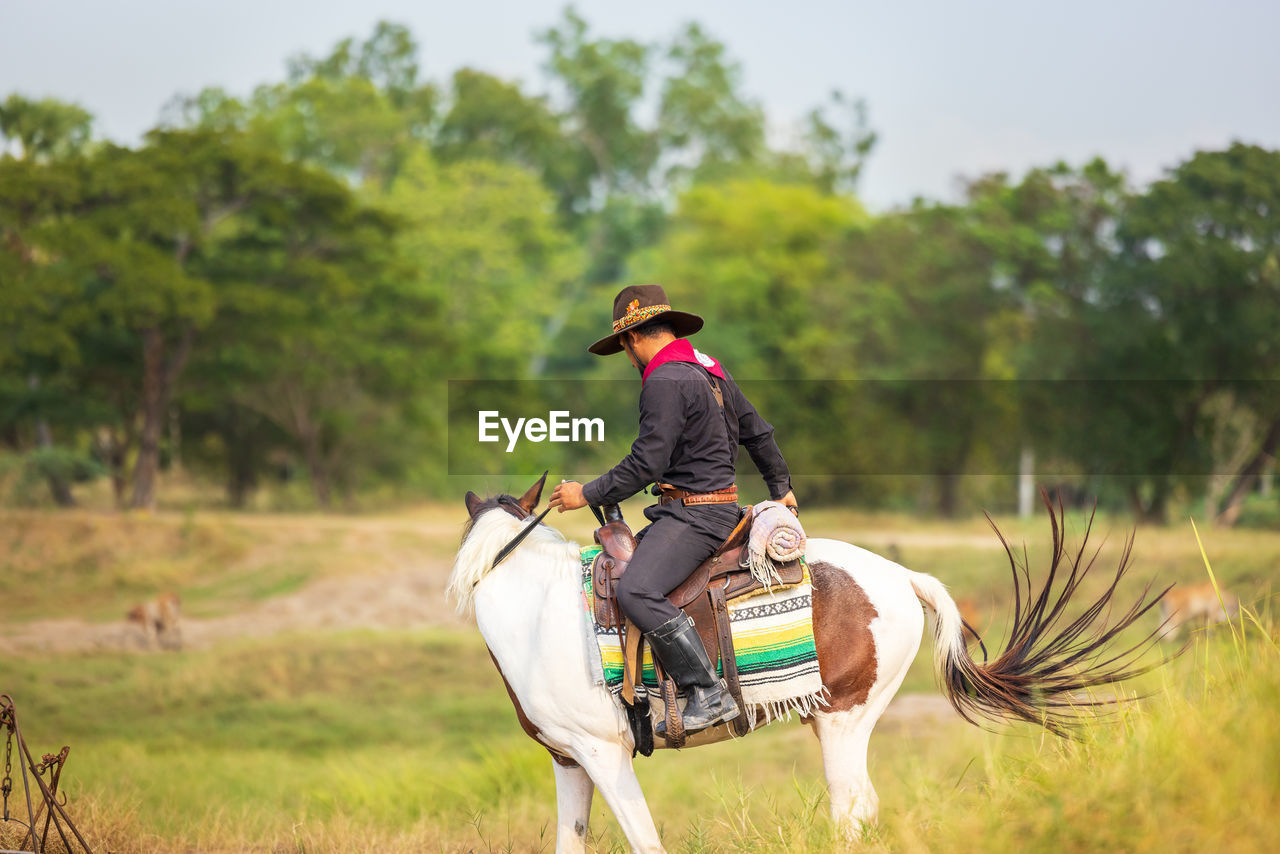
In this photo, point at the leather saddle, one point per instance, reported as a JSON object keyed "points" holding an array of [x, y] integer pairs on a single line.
{"points": [[704, 596]]}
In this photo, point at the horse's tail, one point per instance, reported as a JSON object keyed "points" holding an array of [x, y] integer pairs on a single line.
{"points": [[1049, 658]]}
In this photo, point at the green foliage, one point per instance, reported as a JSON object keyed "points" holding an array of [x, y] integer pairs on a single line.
{"points": [[492, 119], [839, 145], [602, 81], [769, 253], [24, 473], [44, 129], [705, 123]]}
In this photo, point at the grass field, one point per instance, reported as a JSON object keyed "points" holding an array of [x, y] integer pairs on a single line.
{"points": [[346, 737]]}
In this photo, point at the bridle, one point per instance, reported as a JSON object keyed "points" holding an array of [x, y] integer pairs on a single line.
{"points": [[509, 504]]}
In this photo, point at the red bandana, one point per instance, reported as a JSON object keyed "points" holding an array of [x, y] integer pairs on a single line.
{"points": [[680, 350]]}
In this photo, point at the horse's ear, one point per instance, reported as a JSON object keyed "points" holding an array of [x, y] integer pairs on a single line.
{"points": [[530, 499], [473, 504]]}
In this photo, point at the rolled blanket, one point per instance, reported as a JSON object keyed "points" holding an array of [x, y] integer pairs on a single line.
{"points": [[776, 537]]}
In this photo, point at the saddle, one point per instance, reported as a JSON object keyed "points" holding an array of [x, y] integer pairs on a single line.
{"points": [[704, 596]]}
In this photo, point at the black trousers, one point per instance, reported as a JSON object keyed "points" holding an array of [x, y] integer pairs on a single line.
{"points": [[667, 551]]}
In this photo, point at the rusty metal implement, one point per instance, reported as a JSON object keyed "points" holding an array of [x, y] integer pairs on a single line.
{"points": [[50, 808]]}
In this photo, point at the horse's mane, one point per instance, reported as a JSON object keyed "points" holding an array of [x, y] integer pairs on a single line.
{"points": [[484, 536]]}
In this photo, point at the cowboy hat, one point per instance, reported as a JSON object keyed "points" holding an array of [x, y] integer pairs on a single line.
{"points": [[638, 304]]}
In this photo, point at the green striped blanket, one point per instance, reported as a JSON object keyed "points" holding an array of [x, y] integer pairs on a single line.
{"points": [[772, 642]]}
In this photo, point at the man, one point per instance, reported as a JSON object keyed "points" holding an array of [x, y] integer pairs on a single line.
{"points": [[692, 419]]}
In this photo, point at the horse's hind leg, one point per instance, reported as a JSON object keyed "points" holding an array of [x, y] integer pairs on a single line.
{"points": [[573, 808], [609, 766], [844, 737]]}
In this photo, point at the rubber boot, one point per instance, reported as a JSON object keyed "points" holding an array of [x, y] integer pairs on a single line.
{"points": [[708, 701]]}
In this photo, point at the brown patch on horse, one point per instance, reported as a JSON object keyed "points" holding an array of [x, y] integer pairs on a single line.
{"points": [[842, 615], [527, 725]]}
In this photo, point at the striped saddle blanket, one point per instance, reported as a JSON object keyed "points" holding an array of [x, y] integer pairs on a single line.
{"points": [[772, 642]]}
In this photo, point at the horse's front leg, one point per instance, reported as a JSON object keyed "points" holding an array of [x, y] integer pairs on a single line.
{"points": [[573, 808], [609, 766]]}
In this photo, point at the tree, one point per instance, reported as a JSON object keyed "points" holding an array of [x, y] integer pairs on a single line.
{"points": [[706, 126], [37, 188], [153, 247], [357, 112], [481, 253], [762, 262], [1197, 294], [602, 82], [837, 146], [926, 320], [45, 129], [302, 327], [1051, 241], [492, 119]]}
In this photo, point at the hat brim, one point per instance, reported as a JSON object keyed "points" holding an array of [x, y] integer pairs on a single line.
{"points": [[682, 323]]}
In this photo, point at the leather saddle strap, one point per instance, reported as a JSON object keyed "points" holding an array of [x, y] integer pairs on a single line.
{"points": [[720, 608], [632, 661]]}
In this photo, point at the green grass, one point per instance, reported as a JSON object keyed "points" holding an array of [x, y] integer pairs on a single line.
{"points": [[370, 742]]}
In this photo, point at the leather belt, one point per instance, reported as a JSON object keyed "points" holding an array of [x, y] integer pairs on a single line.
{"points": [[668, 493]]}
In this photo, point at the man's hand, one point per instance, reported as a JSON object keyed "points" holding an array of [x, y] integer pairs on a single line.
{"points": [[568, 496], [789, 501]]}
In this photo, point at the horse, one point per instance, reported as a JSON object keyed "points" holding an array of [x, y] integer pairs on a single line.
{"points": [[867, 624]]}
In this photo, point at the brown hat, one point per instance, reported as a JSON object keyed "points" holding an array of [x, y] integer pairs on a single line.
{"points": [[638, 304]]}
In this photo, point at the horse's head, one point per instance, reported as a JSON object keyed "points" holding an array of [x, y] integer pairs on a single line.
{"points": [[486, 533], [521, 507]]}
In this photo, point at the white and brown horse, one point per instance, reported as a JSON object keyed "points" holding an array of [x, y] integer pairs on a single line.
{"points": [[867, 625]]}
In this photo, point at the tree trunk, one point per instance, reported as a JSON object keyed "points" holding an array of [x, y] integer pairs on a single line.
{"points": [[1150, 512], [175, 438], [1248, 477], [309, 434], [242, 476], [159, 374], [109, 448], [318, 468], [58, 487], [947, 499], [1026, 482]]}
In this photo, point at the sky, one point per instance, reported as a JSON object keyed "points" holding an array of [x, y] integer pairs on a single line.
{"points": [[953, 89]]}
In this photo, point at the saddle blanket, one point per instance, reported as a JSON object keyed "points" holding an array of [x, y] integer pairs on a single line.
{"points": [[772, 642]]}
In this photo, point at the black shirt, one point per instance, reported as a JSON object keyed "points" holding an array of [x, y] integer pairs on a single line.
{"points": [[688, 441]]}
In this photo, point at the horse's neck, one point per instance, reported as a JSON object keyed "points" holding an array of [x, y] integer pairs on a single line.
{"points": [[526, 584], [530, 607]]}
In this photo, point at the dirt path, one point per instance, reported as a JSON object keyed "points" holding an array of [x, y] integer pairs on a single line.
{"points": [[401, 599]]}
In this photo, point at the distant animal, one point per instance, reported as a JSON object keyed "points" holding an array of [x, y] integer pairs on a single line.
{"points": [[1195, 605], [160, 621], [867, 621], [972, 614]]}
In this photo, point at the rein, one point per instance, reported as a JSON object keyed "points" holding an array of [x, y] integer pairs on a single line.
{"points": [[519, 538]]}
